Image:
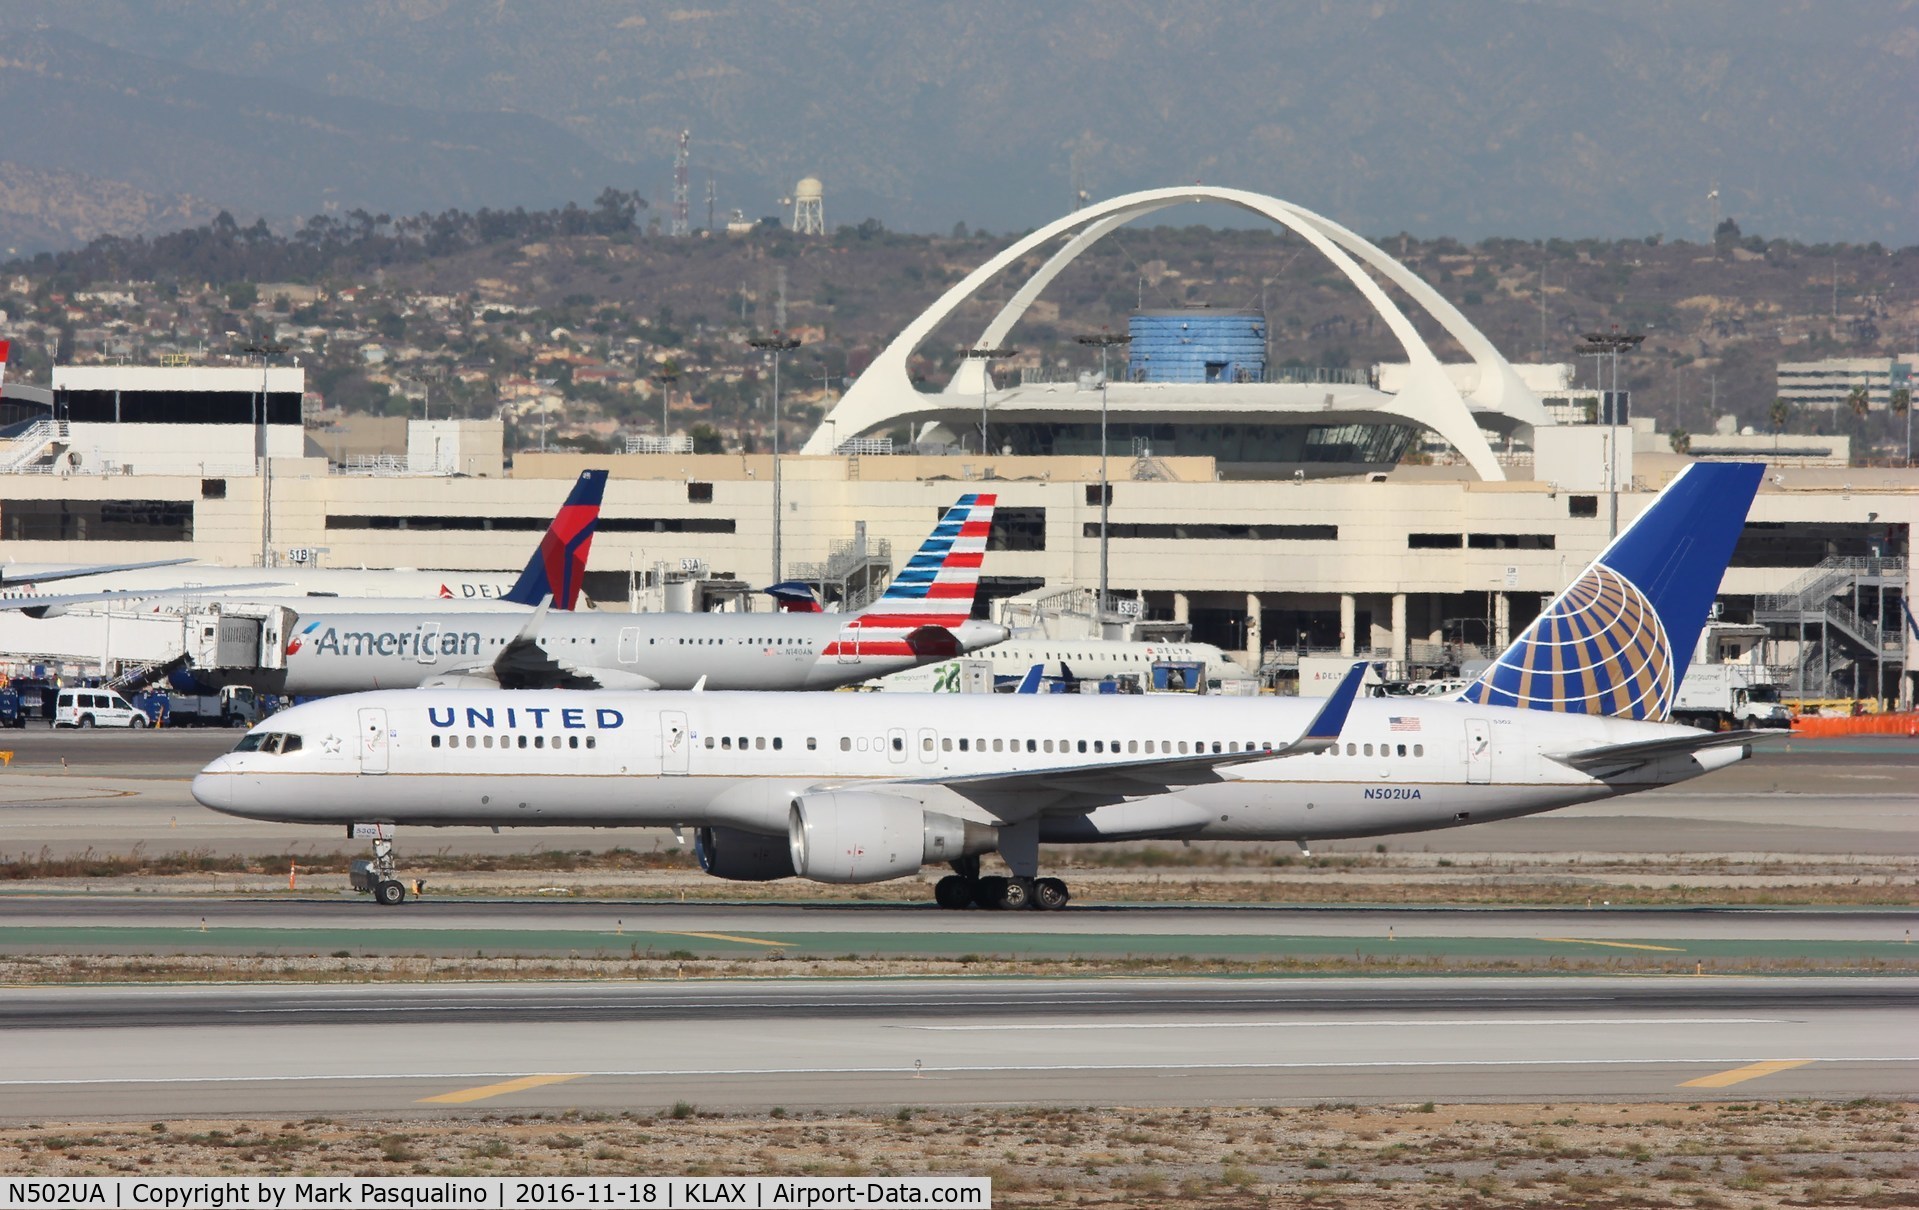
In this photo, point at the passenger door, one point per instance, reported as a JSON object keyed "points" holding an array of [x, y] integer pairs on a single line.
{"points": [[896, 745], [849, 643], [373, 741], [1479, 752], [430, 643], [629, 644], [929, 745], [675, 747]]}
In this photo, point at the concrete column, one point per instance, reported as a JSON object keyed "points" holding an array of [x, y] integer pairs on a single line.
{"points": [[1399, 628], [1254, 637], [1348, 619], [1182, 608], [1502, 622]]}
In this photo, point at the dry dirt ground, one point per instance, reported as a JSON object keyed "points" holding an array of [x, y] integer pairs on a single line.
{"points": [[1751, 1154]]}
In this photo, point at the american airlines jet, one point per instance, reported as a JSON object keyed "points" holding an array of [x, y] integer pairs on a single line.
{"points": [[857, 788], [925, 615]]}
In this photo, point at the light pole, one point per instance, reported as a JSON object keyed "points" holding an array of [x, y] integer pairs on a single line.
{"points": [[1103, 341], [265, 350], [985, 356], [777, 344], [665, 379], [1612, 343]]}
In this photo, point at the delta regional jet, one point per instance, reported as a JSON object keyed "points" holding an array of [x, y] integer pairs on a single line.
{"points": [[857, 788], [925, 615]]}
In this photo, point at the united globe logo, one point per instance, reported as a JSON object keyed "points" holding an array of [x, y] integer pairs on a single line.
{"points": [[1598, 649]]}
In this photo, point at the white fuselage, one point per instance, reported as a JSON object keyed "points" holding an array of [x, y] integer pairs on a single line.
{"points": [[1087, 660], [352, 653], [614, 759], [346, 583]]}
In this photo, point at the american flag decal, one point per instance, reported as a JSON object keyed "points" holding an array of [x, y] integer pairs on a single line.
{"points": [[1402, 722]]}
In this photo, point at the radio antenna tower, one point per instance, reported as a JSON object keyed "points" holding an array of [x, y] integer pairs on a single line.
{"points": [[712, 199], [681, 210]]}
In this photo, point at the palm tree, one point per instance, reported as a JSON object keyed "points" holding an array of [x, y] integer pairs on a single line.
{"points": [[1779, 415], [1859, 401], [1681, 441]]}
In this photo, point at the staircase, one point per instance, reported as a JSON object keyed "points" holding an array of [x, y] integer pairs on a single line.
{"points": [[1818, 607], [31, 445], [132, 680], [854, 572]]}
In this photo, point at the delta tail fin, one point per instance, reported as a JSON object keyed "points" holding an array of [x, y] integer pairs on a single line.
{"points": [[1618, 640], [558, 567], [6, 350]]}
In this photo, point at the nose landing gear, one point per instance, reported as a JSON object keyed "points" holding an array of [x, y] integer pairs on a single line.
{"points": [[376, 876]]}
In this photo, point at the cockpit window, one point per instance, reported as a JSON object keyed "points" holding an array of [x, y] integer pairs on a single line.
{"points": [[279, 743]]}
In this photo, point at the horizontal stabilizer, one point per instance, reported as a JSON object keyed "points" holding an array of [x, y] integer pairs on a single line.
{"points": [[1616, 757]]}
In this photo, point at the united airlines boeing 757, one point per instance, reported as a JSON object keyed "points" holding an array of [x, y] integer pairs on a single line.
{"points": [[854, 788]]}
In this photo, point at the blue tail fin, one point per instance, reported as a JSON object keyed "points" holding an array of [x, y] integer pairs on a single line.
{"points": [[1618, 640], [558, 567]]}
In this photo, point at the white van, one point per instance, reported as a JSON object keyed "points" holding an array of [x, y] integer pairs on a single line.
{"points": [[95, 708]]}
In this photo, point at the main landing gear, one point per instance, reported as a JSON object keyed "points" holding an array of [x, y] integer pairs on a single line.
{"points": [[377, 876], [965, 888]]}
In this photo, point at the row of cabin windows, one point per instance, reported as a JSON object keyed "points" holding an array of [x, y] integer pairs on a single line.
{"points": [[506, 741], [717, 642], [1384, 749], [1133, 747]]}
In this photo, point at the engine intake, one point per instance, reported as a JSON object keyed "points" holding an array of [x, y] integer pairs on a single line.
{"points": [[855, 837], [739, 856]]}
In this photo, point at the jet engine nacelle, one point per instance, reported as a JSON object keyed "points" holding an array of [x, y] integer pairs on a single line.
{"points": [[855, 837], [739, 856], [45, 611]]}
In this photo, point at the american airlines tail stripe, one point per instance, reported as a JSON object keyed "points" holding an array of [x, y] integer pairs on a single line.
{"points": [[909, 621]]}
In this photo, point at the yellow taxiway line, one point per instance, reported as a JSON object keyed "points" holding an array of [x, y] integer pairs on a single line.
{"points": [[731, 937], [467, 1096], [1739, 1075], [1615, 945]]}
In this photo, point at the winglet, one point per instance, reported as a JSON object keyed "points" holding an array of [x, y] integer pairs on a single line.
{"points": [[1030, 682], [558, 566], [1326, 725]]}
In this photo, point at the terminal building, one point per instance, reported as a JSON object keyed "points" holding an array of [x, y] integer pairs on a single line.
{"points": [[1265, 513]]}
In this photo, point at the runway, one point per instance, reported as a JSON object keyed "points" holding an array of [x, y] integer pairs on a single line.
{"points": [[1659, 938], [210, 1051], [119, 790]]}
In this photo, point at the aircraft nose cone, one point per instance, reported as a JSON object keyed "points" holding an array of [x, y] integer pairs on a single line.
{"points": [[213, 785]]}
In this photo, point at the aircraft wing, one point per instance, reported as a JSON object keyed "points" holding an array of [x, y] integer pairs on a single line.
{"points": [[1616, 758], [523, 664], [42, 606], [1076, 786], [100, 569]]}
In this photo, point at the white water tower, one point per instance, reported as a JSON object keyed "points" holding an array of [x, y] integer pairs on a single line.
{"points": [[809, 207]]}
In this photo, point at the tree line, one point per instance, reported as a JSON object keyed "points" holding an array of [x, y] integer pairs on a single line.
{"points": [[222, 251]]}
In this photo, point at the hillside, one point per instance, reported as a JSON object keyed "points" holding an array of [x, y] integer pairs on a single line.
{"points": [[491, 304], [1477, 117]]}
